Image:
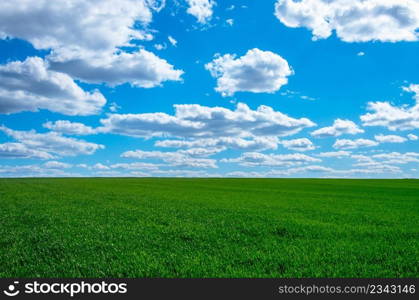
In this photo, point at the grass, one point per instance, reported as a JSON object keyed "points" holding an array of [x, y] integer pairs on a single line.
{"points": [[150, 227]]}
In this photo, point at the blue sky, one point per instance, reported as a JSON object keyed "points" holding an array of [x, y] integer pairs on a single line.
{"points": [[209, 88]]}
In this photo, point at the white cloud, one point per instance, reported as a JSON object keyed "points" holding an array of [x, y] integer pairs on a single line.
{"points": [[282, 173], [19, 150], [257, 72], [239, 174], [353, 20], [194, 120], [313, 168], [394, 118], [362, 158], [361, 53], [337, 154], [390, 138], [200, 152], [114, 107], [372, 169], [353, 144], [135, 166], [253, 159], [412, 88], [230, 22], [141, 68], [182, 158], [34, 171], [201, 9], [160, 46], [412, 137], [304, 97], [52, 142], [56, 165], [99, 166], [302, 144], [75, 24], [255, 143], [30, 86], [183, 173], [398, 158], [70, 128], [172, 41], [86, 38], [338, 128]]}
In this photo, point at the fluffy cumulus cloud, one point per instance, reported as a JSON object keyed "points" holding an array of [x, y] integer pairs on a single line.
{"points": [[70, 128], [353, 20], [52, 143], [385, 162], [390, 138], [338, 128], [194, 157], [86, 36], [324, 171], [20, 150], [252, 144], [257, 71], [397, 158], [75, 24], [140, 68], [254, 159], [202, 10], [43, 170], [30, 86], [354, 144], [303, 144], [282, 173], [194, 120], [394, 118]]}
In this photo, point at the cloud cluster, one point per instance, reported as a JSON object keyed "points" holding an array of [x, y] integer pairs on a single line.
{"points": [[338, 128], [354, 144], [86, 38], [323, 171], [20, 150], [394, 118], [75, 24], [353, 20], [194, 120], [257, 71], [397, 158], [386, 161], [255, 159], [182, 158], [30, 86], [202, 10], [52, 143], [252, 144], [44, 170]]}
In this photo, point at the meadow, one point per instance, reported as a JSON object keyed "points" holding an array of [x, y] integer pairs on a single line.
{"points": [[167, 227]]}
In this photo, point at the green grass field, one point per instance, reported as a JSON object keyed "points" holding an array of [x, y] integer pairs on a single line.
{"points": [[149, 227]]}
